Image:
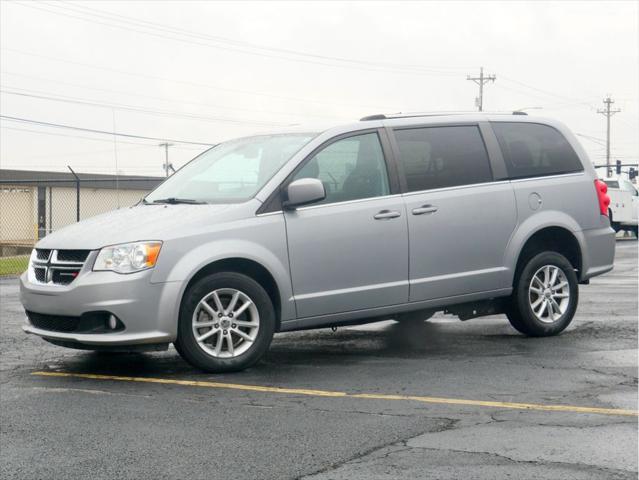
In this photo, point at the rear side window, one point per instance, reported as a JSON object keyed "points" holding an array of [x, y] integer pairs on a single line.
{"points": [[612, 183], [439, 157], [534, 150]]}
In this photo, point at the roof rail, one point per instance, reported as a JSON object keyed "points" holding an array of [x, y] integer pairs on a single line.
{"points": [[382, 116], [377, 116]]}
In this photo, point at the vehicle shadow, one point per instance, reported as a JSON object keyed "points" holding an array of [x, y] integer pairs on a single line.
{"points": [[324, 347]]}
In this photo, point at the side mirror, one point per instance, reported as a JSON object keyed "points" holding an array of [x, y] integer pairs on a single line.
{"points": [[304, 192]]}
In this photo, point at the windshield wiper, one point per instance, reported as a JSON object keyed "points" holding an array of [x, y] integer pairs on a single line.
{"points": [[175, 201]]}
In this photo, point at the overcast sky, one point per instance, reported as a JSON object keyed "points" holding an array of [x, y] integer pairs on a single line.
{"points": [[206, 72]]}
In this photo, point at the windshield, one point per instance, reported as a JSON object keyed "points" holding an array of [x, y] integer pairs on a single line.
{"points": [[231, 172]]}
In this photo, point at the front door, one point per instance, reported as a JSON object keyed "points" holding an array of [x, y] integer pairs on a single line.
{"points": [[459, 220], [350, 251]]}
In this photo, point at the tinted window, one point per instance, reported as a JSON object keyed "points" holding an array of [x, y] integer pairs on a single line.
{"points": [[612, 183], [351, 168], [532, 150], [437, 157]]}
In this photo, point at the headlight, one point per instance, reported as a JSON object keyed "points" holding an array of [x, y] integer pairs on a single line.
{"points": [[128, 257]]}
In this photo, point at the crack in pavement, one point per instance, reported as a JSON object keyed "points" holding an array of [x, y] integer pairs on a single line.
{"points": [[447, 425]]}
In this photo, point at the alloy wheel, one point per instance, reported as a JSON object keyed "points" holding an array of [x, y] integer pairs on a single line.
{"points": [[549, 293], [225, 323]]}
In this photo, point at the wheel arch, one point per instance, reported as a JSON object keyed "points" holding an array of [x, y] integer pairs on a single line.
{"points": [[245, 266], [550, 238]]}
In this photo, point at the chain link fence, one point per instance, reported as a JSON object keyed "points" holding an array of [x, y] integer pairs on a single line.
{"points": [[31, 208]]}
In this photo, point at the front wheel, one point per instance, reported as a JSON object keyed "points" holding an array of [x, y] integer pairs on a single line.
{"points": [[226, 324], [545, 296]]}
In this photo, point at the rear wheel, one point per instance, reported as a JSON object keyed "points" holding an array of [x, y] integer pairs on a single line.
{"points": [[545, 296], [226, 323]]}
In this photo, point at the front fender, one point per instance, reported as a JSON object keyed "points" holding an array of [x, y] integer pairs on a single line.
{"points": [[181, 259]]}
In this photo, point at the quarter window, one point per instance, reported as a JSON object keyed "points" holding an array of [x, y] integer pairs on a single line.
{"points": [[350, 169], [439, 157], [532, 149]]}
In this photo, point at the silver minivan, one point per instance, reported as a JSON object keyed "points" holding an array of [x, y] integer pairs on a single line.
{"points": [[393, 217]]}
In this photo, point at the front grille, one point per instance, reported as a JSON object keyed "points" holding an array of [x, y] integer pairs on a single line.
{"points": [[78, 256], [42, 254], [57, 267], [53, 323], [40, 274]]}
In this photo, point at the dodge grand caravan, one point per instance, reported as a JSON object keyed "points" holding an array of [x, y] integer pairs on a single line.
{"points": [[391, 217]]}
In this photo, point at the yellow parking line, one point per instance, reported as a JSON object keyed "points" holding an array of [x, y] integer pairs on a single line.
{"points": [[369, 396]]}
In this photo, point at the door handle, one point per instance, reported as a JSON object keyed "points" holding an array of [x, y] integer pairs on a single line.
{"points": [[424, 209], [386, 215]]}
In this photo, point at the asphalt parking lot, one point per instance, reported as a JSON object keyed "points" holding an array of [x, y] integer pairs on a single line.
{"points": [[382, 401]]}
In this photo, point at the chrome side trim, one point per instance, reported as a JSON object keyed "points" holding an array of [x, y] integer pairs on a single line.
{"points": [[349, 202], [346, 202], [456, 187], [545, 177], [277, 212], [345, 291]]}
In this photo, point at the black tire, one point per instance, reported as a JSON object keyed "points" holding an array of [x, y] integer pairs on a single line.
{"points": [[614, 225], [519, 310], [188, 347], [418, 316], [177, 348]]}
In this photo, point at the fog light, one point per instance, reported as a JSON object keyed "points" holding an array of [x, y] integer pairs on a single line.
{"points": [[113, 322]]}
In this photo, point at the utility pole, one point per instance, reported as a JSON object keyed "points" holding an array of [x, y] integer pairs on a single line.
{"points": [[167, 165], [481, 80], [608, 112]]}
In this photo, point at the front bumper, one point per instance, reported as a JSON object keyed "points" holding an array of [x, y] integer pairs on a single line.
{"points": [[148, 310]]}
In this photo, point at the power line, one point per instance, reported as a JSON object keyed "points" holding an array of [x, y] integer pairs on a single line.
{"points": [[544, 98], [191, 83], [162, 99], [596, 140], [76, 154], [545, 92], [134, 108], [201, 39], [103, 140], [608, 112], [481, 81], [103, 132], [239, 43], [4, 127]]}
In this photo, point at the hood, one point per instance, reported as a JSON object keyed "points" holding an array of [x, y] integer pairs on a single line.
{"points": [[142, 222]]}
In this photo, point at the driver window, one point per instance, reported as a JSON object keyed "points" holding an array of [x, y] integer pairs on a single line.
{"points": [[350, 169]]}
